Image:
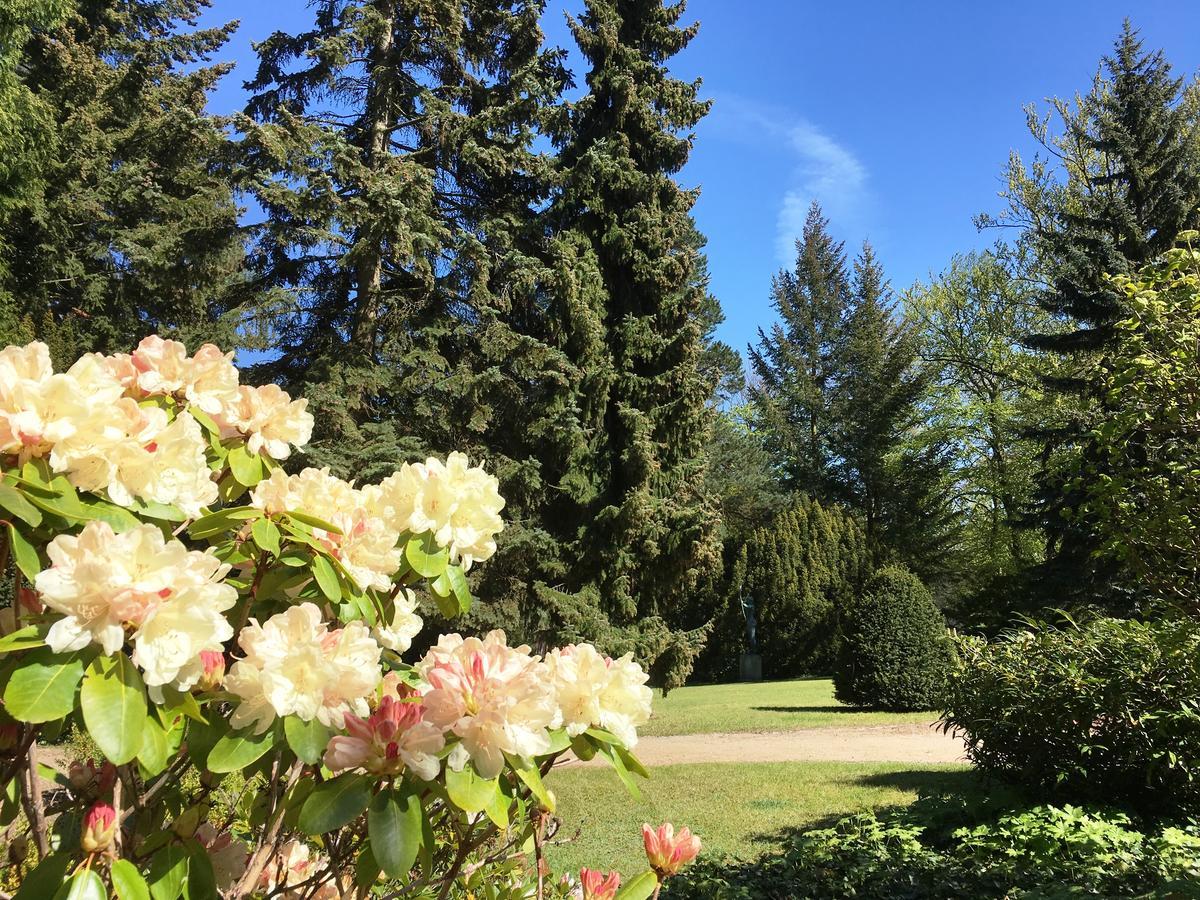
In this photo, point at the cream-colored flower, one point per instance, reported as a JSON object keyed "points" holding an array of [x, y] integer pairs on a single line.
{"points": [[294, 665], [162, 366], [289, 874], [172, 468], [459, 504], [406, 624], [625, 701], [366, 545], [269, 418], [593, 690], [103, 583], [211, 380], [497, 699]]}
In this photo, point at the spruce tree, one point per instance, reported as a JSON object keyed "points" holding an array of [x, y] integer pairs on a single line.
{"points": [[416, 296], [1131, 157], [648, 534], [796, 362], [130, 224]]}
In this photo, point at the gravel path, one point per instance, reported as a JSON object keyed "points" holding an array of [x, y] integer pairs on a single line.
{"points": [[869, 743]]}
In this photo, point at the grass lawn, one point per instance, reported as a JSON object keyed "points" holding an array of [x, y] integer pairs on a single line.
{"points": [[761, 706], [735, 808]]}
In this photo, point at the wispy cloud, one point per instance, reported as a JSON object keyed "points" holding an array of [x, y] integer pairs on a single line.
{"points": [[822, 169]]}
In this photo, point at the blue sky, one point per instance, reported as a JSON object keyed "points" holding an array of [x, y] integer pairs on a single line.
{"points": [[897, 117]]}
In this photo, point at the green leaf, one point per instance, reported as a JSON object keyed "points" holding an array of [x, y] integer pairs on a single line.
{"points": [[335, 803], [222, 520], [14, 501], [394, 825], [610, 753], [118, 517], [308, 740], [640, 888], [168, 871], [45, 880], [327, 579], [128, 882], [154, 752], [458, 584], [113, 700], [313, 522], [22, 639], [42, 687], [531, 775], [632, 763], [266, 535], [24, 553], [246, 468], [84, 885], [468, 791], [233, 752], [424, 555], [201, 881]]}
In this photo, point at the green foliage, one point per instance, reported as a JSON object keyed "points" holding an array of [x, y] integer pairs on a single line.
{"points": [[1041, 852], [1103, 711], [896, 652], [801, 570], [125, 221], [1143, 477], [1120, 179]]}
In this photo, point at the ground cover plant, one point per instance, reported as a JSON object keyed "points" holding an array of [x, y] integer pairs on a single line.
{"points": [[209, 622]]}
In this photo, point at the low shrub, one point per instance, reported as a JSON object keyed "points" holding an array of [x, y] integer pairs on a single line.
{"points": [[896, 654], [1107, 711], [1041, 852]]}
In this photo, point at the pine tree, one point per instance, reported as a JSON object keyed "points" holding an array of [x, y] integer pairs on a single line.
{"points": [[1131, 156], [648, 534], [796, 363], [130, 224]]}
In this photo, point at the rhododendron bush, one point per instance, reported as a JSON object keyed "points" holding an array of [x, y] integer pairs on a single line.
{"points": [[233, 640]]}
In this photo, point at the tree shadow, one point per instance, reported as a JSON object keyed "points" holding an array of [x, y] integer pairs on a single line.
{"points": [[808, 709]]}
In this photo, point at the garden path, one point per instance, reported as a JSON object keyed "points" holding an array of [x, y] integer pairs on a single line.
{"points": [[869, 743]]}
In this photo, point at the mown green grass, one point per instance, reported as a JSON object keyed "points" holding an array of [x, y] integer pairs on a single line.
{"points": [[741, 809], [761, 706]]}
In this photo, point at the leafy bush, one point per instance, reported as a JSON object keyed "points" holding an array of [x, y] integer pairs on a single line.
{"points": [[1042, 852], [1108, 711], [896, 653]]}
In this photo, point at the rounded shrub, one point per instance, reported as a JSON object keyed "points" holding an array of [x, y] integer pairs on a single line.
{"points": [[897, 653], [1106, 711]]}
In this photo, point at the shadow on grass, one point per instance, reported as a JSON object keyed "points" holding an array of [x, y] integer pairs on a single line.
{"points": [[808, 709]]}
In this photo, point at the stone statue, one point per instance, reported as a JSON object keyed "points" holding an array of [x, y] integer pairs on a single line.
{"points": [[751, 623]]}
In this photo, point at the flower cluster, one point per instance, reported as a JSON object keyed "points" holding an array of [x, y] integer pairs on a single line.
{"points": [[93, 424], [169, 598], [295, 665], [393, 738], [593, 690], [366, 545], [457, 503]]}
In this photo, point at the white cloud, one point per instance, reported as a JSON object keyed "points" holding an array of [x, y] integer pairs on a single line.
{"points": [[821, 169], [825, 171]]}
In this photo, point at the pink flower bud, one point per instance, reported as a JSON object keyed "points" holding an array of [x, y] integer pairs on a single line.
{"points": [[99, 828], [214, 670], [597, 886], [668, 852]]}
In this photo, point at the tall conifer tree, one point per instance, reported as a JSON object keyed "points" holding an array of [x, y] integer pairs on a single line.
{"points": [[647, 535], [128, 224]]}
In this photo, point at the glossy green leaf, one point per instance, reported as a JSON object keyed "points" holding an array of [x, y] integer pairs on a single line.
{"points": [[128, 882], [42, 687], [24, 554], [468, 791], [458, 585], [610, 753], [531, 776], [168, 871], [84, 885], [45, 880], [233, 752], [639, 888], [335, 803], [154, 752], [308, 740], [266, 535], [424, 555], [313, 522], [22, 639], [246, 467], [113, 700], [326, 577], [394, 823], [14, 501], [201, 881]]}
